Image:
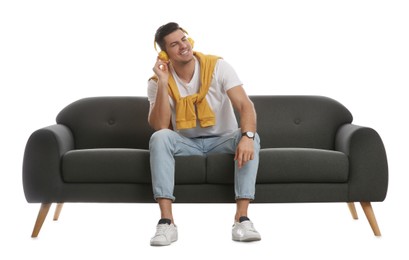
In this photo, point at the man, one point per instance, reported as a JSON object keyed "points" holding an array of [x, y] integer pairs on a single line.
{"points": [[191, 97]]}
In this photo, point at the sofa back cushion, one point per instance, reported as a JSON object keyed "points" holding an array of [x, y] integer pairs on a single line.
{"points": [[299, 121], [283, 121], [108, 122]]}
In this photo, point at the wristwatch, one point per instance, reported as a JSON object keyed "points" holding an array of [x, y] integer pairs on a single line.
{"points": [[250, 135]]}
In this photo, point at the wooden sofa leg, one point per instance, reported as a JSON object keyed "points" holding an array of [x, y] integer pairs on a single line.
{"points": [[352, 209], [57, 211], [42, 214], [366, 206]]}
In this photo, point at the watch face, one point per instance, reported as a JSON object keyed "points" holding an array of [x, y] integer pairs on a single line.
{"points": [[250, 134]]}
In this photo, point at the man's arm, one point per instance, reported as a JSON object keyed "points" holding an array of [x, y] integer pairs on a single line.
{"points": [[248, 122], [160, 111]]}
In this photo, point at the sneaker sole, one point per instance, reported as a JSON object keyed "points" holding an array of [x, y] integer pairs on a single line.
{"points": [[160, 244], [164, 243], [247, 239]]}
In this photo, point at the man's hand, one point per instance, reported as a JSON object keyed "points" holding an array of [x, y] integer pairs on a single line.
{"points": [[161, 69], [244, 151]]}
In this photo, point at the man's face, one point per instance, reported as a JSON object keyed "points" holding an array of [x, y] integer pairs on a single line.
{"points": [[178, 47]]}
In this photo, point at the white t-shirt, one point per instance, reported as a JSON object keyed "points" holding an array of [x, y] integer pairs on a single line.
{"points": [[224, 78]]}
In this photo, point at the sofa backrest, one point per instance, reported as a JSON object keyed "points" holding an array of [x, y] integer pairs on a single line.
{"points": [[299, 121], [282, 121], [108, 122]]}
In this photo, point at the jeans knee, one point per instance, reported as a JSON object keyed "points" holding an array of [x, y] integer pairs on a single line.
{"points": [[160, 137]]}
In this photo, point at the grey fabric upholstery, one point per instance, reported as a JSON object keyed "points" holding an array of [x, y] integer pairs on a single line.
{"points": [[310, 152]]}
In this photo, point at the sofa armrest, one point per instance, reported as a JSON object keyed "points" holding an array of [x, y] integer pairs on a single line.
{"points": [[368, 167], [42, 179]]}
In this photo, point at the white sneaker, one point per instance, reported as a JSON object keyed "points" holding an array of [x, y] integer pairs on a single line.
{"points": [[244, 231], [166, 233]]}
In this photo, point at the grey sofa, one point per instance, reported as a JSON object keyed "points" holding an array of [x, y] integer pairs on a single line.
{"points": [[97, 152]]}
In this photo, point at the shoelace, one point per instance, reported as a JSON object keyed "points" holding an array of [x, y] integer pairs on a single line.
{"points": [[248, 225], [161, 229]]}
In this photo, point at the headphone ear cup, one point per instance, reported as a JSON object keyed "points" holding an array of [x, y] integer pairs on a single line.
{"points": [[163, 56], [191, 41]]}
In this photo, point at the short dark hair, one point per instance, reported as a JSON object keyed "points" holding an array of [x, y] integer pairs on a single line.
{"points": [[163, 31]]}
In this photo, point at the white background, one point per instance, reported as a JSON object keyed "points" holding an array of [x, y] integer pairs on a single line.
{"points": [[55, 52]]}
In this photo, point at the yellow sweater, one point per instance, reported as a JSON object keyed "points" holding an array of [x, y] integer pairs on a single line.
{"points": [[188, 107]]}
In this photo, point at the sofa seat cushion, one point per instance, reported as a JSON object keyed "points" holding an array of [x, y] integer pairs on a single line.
{"points": [[285, 165], [303, 165], [123, 165]]}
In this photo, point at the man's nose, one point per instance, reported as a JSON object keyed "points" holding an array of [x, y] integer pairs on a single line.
{"points": [[183, 45]]}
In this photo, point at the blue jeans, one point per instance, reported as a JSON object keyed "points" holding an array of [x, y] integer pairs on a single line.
{"points": [[165, 144]]}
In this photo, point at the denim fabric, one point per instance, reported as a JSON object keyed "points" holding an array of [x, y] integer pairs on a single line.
{"points": [[165, 144]]}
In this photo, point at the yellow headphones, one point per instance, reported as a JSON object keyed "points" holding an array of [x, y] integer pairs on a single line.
{"points": [[163, 55]]}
